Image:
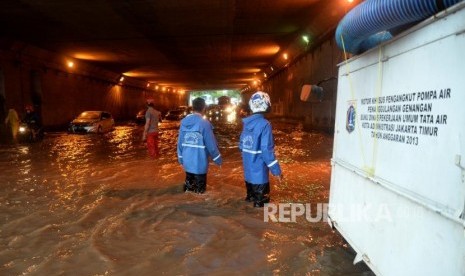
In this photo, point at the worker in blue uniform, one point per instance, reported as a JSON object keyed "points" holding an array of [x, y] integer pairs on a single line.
{"points": [[196, 144], [257, 147]]}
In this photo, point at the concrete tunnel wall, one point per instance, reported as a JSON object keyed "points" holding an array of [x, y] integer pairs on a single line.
{"points": [[29, 75], [284, 87]]}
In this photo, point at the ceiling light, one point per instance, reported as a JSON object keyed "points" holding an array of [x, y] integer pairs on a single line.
{"points": [[285, 56], [148, 84], [121, 79], [156, 87], [70, 64], [305, 38]]}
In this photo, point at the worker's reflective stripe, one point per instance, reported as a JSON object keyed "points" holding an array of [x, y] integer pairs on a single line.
{"points": [[272, 163], [193, 146], [252, 151], [214, 159]]}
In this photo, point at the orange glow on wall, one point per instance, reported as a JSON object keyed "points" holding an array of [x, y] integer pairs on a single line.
{"points": [[258, 51], [249, 70], [269, 50], [140, 74], [94, 56], [247, 80]]}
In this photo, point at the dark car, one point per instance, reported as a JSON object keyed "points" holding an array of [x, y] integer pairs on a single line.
{"points": [[140, 117], [186, 110], [213, 112], [175, 115], [221, 113], [244, 110]]}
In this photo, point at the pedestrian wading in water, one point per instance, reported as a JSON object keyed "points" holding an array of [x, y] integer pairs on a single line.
{"points": [[152, 117], [196, 144], [257, 147], [12, 122]]}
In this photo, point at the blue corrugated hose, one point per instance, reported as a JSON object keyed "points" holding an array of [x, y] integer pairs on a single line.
{"points": [[368, 24]]}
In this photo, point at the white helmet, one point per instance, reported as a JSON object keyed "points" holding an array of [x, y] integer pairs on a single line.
{"points": [[260, 102]]}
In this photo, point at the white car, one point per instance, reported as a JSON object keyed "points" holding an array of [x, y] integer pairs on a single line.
{"points": [[93, 122]]}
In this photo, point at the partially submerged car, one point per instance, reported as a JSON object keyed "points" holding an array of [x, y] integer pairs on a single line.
{"points": [[92, 122], [175, 115]]}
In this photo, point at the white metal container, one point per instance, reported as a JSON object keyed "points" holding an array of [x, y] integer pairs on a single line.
{"points": [[397, 186]]}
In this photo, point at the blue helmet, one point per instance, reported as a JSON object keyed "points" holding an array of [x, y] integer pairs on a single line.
{"points": [[260, 102]]}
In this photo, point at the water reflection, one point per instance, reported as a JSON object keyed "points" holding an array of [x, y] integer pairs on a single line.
{"points": [[99, 200]]}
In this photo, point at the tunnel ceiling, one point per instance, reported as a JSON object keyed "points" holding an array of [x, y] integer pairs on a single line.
{"points": [[185, 44]]}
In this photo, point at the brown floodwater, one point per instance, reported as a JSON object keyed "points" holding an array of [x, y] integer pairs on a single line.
{"points": [[97, 205]]}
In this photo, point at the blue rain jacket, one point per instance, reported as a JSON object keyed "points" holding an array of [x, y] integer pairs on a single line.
{"points": [[257, 147], [196, 142]]}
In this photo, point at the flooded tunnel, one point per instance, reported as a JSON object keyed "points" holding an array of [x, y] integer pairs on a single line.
{"points": [[96, 204], [84, 197]]}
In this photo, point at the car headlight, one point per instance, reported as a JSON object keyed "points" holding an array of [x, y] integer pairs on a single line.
{"points": [[22, 129]]}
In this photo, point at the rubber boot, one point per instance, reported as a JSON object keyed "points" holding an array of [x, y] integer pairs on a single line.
{"points": [[201, 183], [249, 196], [189, 184], [261, 194]]}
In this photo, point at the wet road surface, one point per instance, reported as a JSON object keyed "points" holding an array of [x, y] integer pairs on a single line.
{"points": [[97, 205]]}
